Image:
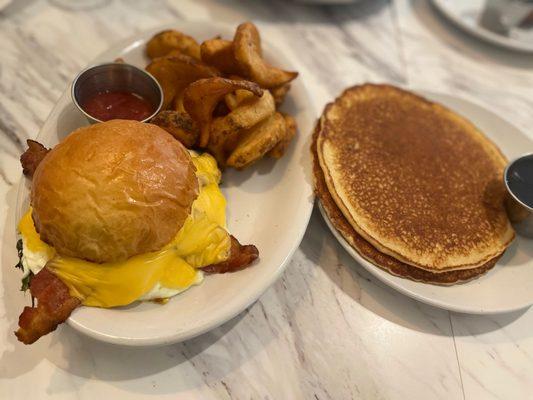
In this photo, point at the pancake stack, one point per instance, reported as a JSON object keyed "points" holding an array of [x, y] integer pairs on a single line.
{"points": [[414, 188]]}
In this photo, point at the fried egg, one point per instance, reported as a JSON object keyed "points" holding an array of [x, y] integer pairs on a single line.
{"points": [[202, 240]]}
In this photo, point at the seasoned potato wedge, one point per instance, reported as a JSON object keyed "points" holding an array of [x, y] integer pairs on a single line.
{"points": [[235, 99], [226, 131], [290, 131], [178, 124], [246, 115], [279, 93], [219, 53], [247, 51], [220, 146], [222, 95], [164, 42], [177, 103], [175, 72], [201, 97], [257, 141], [165, 73]]}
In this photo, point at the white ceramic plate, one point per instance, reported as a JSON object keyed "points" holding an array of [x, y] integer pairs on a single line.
{"points": [[508, 286], [465, 14], [269, 205]]}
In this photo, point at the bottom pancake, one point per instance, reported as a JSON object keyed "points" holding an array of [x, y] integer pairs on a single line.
{"points": [[369, 252]]}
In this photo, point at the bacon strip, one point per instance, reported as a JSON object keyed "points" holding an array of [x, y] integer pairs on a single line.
{"points": [[54, 306], [32, 157], [240, 258]]}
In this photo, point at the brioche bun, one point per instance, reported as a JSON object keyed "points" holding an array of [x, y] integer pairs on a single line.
{"points": [[112, 190]]}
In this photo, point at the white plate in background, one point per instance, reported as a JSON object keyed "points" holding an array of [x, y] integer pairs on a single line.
{"points": [[269, 205], [465, 14], [506, 287]]}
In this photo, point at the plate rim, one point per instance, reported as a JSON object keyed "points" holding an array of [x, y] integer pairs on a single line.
{"points": [[387, 278], [481, 33], [121, 47]]}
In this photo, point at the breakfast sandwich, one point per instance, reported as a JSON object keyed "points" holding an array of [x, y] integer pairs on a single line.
{"points": [[119, 211], [412, 186]]}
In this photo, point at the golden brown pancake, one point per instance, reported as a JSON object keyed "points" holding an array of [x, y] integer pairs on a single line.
{"points": [[415, 180], [370, 253]]}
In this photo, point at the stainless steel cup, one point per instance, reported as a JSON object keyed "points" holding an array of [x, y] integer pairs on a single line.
{"points": [[116, 77], [518, 178]]}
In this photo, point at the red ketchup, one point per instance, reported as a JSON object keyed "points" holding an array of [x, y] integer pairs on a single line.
{"points": [[117, 105]]}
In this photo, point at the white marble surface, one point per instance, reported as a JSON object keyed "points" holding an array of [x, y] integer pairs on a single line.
{"points": [[326, 329]]}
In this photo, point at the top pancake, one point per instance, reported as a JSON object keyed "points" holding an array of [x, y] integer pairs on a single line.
{"points": [[414, 179], [370, 253]]}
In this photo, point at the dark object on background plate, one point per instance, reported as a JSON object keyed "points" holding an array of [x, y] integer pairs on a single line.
{"points": [[122, 86], [500, 16]]}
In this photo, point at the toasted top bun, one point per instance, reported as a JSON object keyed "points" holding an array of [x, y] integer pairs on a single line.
{"points": [[113, 190]]}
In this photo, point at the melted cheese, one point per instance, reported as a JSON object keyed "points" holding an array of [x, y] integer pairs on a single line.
{"points": [[33, 242], [35, 253], [201, 241]]}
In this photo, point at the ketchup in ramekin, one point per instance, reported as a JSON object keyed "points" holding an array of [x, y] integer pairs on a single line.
{"points": [[117, 91], [117, 105]]}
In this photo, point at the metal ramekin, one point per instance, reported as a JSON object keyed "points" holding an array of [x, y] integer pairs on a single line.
{"points": [[116, 76], [525, 226]]}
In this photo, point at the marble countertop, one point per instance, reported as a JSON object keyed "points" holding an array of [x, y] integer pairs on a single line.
{"points": [[326, 329]]}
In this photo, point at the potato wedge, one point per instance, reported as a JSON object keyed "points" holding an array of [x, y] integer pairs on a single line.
{"points": [[247, 51], [178, 124], [175, 52], [201, 97], [175, 72], [219, 147], [290, 131], [257, 141], [235, 99], [279, 93], [237, 77], [226, 131], [166, 41], [219, 53], [220, 110], [165, 73], [177, 103], [246, 115]]}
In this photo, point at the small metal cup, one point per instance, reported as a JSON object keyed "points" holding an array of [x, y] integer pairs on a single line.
{"points": [[521, 213], [113, 77]]}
